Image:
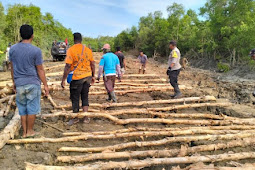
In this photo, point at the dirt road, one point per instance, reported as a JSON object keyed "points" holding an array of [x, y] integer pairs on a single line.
{"points": [[202, 83]]}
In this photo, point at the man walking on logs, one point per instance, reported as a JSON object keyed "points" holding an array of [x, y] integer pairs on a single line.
{"points": [[27, 73], [174, 68], [108, 66], [80, 62], [122, 60], [142, 58]]}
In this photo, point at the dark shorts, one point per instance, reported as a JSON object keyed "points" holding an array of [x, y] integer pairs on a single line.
{"points": [[79, 89], [109, 83], [28, 99]]}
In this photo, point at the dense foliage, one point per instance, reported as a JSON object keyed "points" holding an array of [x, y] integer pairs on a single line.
{"points": [[46, 29], [223, 31]]}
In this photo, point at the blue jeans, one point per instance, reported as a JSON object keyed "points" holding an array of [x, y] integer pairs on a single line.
{"points": [[28, 99]]}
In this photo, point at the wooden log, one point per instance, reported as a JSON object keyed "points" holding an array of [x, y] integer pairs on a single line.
{"points": [[123, 135], [5, 99], [6, 90], [156, 153], [8, 107], [138, 164], [10, 130], [164, 141], [141, 103], [162, 133], [141, 90], [234, 127], [187, 106]]}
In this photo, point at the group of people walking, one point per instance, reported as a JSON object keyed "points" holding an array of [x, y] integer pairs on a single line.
{"points": [[28, 72]]}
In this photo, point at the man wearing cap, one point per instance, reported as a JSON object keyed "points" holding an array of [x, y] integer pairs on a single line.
{"points": [[252, 54], [122, 60], [109, 66], [174, 68]]}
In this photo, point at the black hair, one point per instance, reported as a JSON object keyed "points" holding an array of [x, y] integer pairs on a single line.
{"points": [[26, 32], [117, 48], [174, 43], [77, 37], [141, 51]]}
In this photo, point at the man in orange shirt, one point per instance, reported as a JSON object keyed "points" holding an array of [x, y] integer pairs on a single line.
{"points": [[79, 59]]}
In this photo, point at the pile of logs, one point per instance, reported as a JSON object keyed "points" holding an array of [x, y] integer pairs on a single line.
{"points": [[190, 127]]}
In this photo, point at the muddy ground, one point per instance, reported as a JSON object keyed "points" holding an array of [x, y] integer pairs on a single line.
{"points": [[203, 83]]}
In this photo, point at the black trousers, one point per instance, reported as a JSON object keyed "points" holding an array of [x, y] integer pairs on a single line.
{"points": [[173, 76], [79, 89]]}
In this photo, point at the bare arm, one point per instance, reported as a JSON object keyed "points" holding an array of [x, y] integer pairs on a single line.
{"points": [[66, 72], [93, 68], [14, 86], [124, 63], [41, 74]]}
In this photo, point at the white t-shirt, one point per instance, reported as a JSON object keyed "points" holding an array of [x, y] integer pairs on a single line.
{"points": [[7, 54]]}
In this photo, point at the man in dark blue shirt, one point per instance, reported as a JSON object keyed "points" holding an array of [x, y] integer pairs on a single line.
{"points": [[27, 73]]}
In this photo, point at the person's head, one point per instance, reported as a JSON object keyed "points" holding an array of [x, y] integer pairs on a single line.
{"points": [[26, 32], [77, 38], [172, 44], [252, 54], [117, 48], [106, 48], [141, 53], [10, 44]]}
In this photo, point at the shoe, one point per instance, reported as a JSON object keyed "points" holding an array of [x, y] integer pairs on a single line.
{"points": [[177, 96], [73, 121], [113, 96], [109, 98], [173, 95]]}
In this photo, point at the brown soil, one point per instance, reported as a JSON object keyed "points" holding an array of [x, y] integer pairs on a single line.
{"points": [[203, 83]]}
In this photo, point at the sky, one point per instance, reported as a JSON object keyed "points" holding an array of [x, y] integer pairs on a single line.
{"points": [[95, 18]]}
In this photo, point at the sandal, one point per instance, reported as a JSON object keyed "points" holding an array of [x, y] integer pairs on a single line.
{"points": [[73, 121]]}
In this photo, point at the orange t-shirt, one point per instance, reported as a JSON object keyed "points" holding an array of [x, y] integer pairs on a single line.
{"points": [[74, 55]]}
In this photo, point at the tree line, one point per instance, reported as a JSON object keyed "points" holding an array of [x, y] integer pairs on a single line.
{"points": [[222, 30], [46, 28]]}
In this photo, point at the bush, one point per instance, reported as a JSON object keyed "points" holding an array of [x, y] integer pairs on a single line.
{"points": [[222, 67]]}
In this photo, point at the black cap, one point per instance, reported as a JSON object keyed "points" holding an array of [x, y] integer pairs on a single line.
{"points": [[252, 52]]}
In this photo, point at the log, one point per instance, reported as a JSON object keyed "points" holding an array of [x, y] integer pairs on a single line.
{"points": [[5, 99], [162, 133], [10, 130], [156, 153], [49, 125], [8, 107], [123, 135], [187, 106], [116, 120], [141, 103], [164, 141], [6, 90], [141, 90], [234, 127], [138, 164]]}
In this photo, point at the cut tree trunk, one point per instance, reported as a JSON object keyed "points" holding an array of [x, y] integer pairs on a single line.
{"points": [[8, 107], [5, 99], [234, 127], [157, 153], [164, 141], [10, 130], [110, 136], [141, 103], [138, 164]]}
